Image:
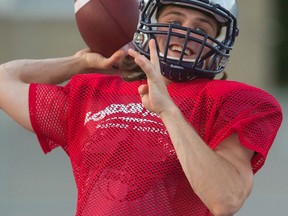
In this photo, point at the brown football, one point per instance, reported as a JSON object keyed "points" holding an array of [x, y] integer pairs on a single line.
{"points": [[106, 25]]}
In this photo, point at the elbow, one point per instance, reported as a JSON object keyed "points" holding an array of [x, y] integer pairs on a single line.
{"points": [[226, 207], [223, 211], [228, 204]]}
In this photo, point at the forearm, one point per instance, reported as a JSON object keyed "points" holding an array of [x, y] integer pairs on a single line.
{"points": [[51, 71], [212, 178]]}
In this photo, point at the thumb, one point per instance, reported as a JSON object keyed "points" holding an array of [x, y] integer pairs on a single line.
{"points": [[143, 90]]}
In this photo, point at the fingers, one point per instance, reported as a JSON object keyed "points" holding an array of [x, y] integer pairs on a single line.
{"points": [[153, 53], [117, 56], [148, 66], [113, 61]]}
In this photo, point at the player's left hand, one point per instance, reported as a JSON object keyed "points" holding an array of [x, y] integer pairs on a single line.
{"points": [[95, 61], [154, 94]]}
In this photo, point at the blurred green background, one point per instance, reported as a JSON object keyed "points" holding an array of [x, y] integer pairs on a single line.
{"points": [[36, 185]]}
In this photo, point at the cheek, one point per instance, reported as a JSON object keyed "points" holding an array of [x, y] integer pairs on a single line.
{"points": [[198, 45], [161, 40], [206, 48]]}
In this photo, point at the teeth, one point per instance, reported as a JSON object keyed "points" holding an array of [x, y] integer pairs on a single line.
{"points": [[179, 49]]}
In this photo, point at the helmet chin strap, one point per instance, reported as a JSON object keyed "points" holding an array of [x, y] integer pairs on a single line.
{"points": [[176, 73], [179, 73]]}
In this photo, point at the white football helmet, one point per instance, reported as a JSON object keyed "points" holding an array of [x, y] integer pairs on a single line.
{"points": [[205, 64]]}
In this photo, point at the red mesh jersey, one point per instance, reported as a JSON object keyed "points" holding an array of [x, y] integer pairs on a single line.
{"points": [[123, 160]]}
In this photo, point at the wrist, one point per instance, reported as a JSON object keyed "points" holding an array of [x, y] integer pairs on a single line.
{"points": [[82, 61], [170, 114]]}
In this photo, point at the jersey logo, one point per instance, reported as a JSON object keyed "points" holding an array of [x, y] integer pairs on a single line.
{"points": [[123, 116]]}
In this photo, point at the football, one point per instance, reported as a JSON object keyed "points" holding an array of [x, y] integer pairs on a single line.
{"points": [[106, 25]]}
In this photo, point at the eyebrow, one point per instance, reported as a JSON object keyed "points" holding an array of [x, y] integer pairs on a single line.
{"points": [[201, 19], [173, 13]]}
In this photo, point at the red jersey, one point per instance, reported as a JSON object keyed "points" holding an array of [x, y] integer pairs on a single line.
{"points": [[122, 157]]}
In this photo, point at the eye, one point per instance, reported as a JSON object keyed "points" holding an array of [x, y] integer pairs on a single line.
{"points": [[174, 22], [202, 30]]}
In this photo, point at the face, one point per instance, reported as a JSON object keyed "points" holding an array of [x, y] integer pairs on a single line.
{"points": [[189, 18]]}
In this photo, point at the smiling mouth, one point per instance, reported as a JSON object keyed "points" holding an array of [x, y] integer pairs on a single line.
{"points": [[178, 50]]}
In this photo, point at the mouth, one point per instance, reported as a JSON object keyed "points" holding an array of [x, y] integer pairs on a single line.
{"points": [[177, 49]]}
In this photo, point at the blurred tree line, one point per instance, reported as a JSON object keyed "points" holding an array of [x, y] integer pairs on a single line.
{"points": [[282, 43]]}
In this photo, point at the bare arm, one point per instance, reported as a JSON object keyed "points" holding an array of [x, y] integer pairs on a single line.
{"points": [[15, 77], [222, 178]]}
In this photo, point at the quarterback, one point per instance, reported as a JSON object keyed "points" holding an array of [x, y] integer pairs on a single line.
{"points": [[177, 142]]}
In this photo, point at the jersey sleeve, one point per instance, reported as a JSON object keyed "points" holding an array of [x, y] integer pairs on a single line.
{"points": [[48, 106], [252, 113]]}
